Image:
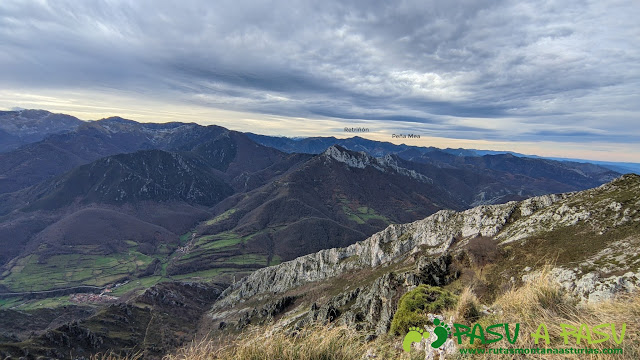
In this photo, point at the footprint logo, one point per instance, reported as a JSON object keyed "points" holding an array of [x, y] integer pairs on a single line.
{"points": [[415, 334], [442, 331]]}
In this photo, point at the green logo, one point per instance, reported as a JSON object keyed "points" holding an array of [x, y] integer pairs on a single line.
{"points": [[416, 334], [499, 332]]}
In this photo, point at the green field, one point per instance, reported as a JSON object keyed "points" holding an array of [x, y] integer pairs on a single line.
{"points": [[10, 302], [184, 238], [140, 283], [223, 253], [208, 274], [218, 241], [247, 259], [275, 260], [224, 216], [53, 302], [40, 273], [58, 271], [362, 214]]}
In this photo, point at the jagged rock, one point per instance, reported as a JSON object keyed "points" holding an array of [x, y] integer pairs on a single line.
{"points": [[591, 287], [437, 233]]}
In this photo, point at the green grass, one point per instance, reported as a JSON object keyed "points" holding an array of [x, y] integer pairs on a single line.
{"points": [[52, 303], [223, 243], [224, 216], [218, 241], [61, 271], [219, 246], [9, 302], [140, 283], [163, 249], [414, 306], [184, 238], [363, 214], [275, 260], [247, 259], [207, 274]]}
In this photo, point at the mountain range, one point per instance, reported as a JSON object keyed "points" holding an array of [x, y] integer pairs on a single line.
{"points": [[140, 209], [316, 145], [590, 238]]}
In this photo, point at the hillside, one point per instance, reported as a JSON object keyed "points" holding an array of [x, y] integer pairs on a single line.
{"points": [[340, 197], [590, 237], [135, 186], [227, 151], [171, 190], [152, 323], [144, 175], [121, 217], [543, 174], [332, 200]]}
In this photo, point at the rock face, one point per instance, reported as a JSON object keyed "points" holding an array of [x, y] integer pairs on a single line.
{"points": [[403, 256], [361, 160], [593, 287], [437, 233]]}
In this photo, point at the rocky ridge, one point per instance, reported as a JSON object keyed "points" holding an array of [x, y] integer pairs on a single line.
{"points": [[437, 232], [434, 243], [361, 160]]}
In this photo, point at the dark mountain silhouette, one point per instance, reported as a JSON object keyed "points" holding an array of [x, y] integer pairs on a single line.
{"points": [[169, 190], [316, 145], [144, 175], [22, 127], [542, 173], [227, 151]]}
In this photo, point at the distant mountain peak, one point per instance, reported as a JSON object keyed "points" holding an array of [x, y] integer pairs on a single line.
{"points": [[353, 159], [361, 160], [118, 119], [21, 127]]}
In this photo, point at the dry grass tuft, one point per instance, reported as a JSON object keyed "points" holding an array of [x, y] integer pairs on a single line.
{"points": [[542, 300], [312, 343], [468, 307], [111, 356], [315, 342]]}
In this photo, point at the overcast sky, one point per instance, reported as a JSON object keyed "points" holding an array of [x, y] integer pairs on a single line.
{"points": [[547, 77]]}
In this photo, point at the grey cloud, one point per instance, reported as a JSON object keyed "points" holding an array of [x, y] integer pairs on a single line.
{"points": [[420, 62]]}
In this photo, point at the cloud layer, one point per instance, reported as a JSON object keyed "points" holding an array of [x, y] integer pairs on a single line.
{"points": [[560, 71]]}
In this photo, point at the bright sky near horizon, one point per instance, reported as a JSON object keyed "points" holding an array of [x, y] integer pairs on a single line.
{"points": [[551, 78]]}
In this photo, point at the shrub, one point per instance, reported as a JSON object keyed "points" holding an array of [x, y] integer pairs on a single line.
{"points": [[416, 304]]}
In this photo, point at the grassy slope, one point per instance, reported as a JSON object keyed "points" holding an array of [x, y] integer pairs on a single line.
{"points": [[595, 244], [540, 300]]}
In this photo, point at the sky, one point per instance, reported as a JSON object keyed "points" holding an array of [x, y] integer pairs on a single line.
{"points": [[551, 78]]}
